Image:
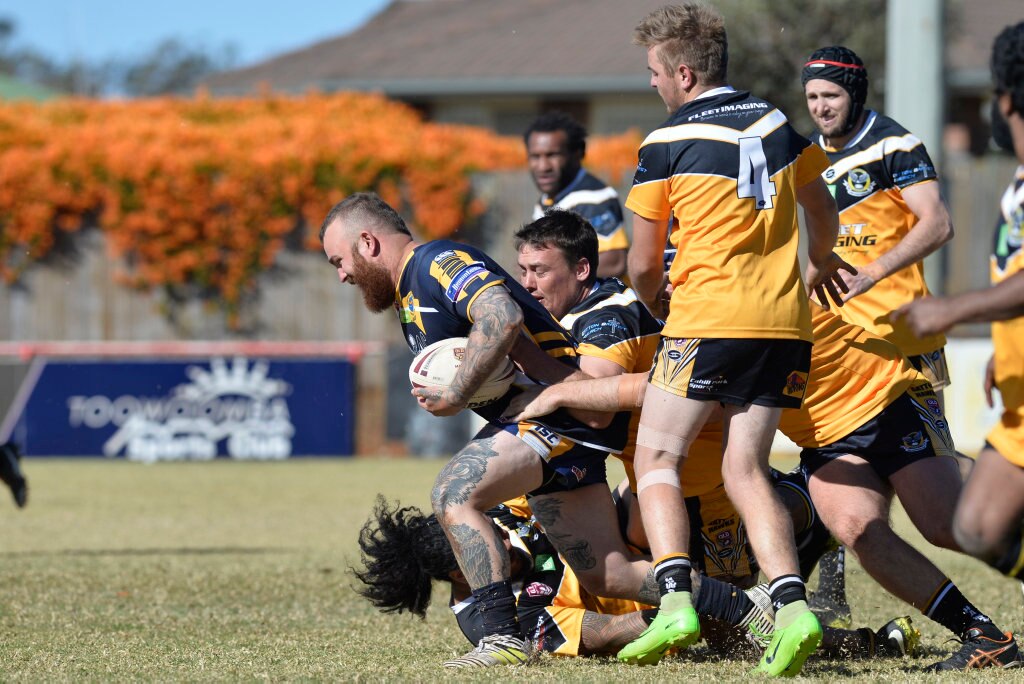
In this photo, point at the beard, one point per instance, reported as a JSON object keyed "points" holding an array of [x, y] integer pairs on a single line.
{"points": [[374, 282], [836, 128]]}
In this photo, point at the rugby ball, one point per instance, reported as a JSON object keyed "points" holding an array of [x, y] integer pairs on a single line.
{"points": [[437, 365]]}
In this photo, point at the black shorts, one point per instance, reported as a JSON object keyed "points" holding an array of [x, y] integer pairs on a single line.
{"points": [[766, 372], [907, 430]]}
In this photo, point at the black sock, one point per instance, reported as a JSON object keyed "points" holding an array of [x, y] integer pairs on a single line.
{"points": [[950, 609], [497, 606], [673, 573], [787, 589], [832, 575], [721, 601], [1011, 563]]}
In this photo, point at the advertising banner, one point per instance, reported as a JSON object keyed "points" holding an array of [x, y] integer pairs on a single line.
{"points": [[186, 409]]}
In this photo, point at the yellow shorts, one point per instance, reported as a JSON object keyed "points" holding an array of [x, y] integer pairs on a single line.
{"points": [[718, 537]]}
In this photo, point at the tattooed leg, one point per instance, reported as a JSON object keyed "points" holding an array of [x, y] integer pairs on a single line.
{"points": [[583, 526], [608, 633], [493, 468]]}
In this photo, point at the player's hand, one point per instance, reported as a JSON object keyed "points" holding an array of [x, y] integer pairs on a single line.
{"points": [[437, 400], [826, 282], [533, 402], [990, 380], [860, 281], [926, 316]]}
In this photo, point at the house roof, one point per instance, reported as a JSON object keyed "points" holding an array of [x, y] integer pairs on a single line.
{"points": [[432, 47], [504, 47]]}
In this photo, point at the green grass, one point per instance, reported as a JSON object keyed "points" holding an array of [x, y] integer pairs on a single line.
{"points": [[238, 571]]}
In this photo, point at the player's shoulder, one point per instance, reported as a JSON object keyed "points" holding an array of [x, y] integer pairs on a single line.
{"points": [[589, 181], [610, 299], [887, 127]]}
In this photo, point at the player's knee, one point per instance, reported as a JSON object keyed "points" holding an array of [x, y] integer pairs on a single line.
{"points": [[971, 538], [938, 531], [860, 531]]}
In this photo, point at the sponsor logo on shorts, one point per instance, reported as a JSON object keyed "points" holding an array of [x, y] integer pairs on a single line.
{"points": [[796, 384], [914, 442], [933, 406], [580, 473], [674, 354], [708, 384], [537, 589], [724, 538]]}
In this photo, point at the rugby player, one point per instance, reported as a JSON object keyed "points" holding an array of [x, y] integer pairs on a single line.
{"points": [[443, 289], [403, 551], [870, 426], [892, 216], [989, 517], [555, 146], [617, 335], [730, 170]]}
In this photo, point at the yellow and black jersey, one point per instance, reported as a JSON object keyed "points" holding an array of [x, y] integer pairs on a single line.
{"points": [[1008, 336], [595, 201], [867, 177], [726, 167], [854, 375], [612, 323], [439, 282], [550, 602]]}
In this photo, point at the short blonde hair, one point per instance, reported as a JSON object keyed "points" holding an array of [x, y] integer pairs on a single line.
{"points": [[692, 34]]}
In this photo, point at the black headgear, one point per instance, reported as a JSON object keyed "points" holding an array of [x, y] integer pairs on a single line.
{"points": [[843, 67]]}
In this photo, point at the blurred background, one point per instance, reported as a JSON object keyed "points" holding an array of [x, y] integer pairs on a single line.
{"points": [[164, 171]]}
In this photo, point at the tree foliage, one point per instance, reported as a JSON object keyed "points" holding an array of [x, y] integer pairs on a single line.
{"points": [[769, 42]]}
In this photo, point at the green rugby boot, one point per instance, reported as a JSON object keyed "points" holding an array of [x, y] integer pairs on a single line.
{"points": [[677, 629], [791, 645]]}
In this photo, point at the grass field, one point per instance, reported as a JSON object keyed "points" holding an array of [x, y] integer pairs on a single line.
{"points": [[238, 571]]}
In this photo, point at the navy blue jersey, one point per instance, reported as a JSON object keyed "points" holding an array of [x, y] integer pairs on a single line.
{"points": [[439, 282], [612, 323]]}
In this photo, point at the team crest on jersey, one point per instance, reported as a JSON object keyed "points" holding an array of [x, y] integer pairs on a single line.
{"points": [[914, 442], [858, 183], [796, 384], [409, 312], [536, 589]]}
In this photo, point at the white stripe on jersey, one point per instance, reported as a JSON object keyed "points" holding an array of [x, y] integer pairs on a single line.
{"points": [[760, 128], [619, 299], [877, 152], [586, 197]]}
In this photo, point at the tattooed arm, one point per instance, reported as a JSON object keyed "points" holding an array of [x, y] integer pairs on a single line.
{"points": [[609, 633], [496, 322]]}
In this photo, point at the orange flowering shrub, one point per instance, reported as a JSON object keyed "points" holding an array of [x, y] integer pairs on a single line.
{"points": [[202, 193]]}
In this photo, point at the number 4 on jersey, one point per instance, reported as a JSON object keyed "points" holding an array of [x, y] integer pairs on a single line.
{"points": [[753, 180]]}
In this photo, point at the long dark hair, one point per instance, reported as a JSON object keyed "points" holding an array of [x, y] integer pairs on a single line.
{"points": [[402, 552]]}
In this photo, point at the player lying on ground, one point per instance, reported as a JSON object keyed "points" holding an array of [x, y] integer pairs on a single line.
{"points": [[870, 427], [403, 551]]}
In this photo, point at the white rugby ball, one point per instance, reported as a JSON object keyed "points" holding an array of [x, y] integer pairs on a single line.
{"points": [[437, 365]]}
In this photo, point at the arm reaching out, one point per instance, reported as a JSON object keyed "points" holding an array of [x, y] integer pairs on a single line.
{"points": [[616, 393], [823, 265]]}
